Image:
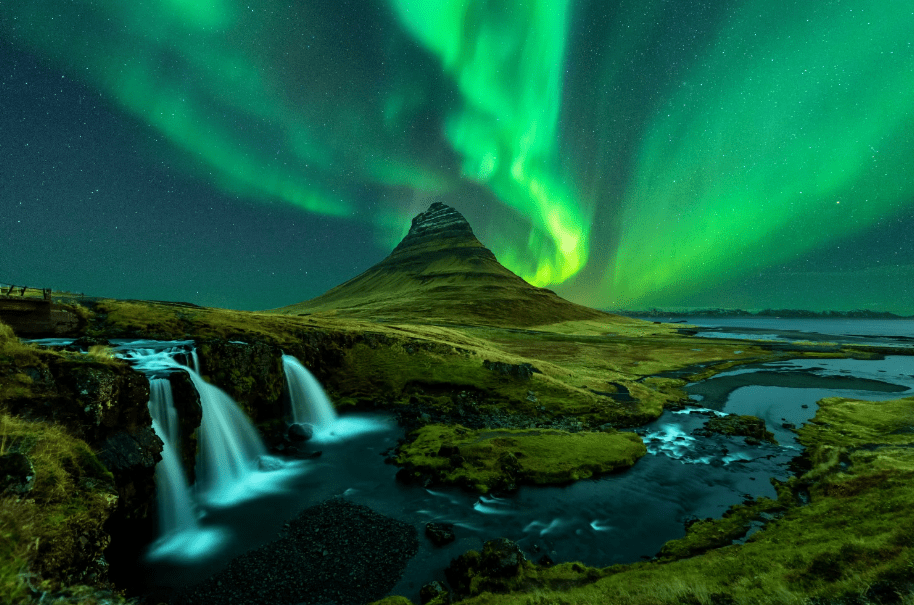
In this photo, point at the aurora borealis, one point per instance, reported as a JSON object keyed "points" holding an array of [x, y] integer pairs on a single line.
{"points": [[728, 153]]}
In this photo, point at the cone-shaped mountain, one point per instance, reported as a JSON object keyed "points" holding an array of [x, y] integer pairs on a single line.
{"points": [[440, 272]]}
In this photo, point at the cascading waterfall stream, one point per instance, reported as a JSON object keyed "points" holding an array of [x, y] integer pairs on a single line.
{"points": [[230, 447], [309, 402], [310, 405]]}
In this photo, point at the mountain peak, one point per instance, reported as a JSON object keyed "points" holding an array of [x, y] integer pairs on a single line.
{"points": [[439, 223], [440, 272]]}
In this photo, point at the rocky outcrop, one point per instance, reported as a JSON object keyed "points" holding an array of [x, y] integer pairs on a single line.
{"points": [[733, 425], [492, 570], [250, 372]]}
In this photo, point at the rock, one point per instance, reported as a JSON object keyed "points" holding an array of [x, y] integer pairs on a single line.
{"points": [[84, 343], [440, 533], [519, 371], [17, 475], [545, 561], [495, 569], [501, 558], [300, 432], [123, 452], [433, 591], [269, 463], [750, 427]]}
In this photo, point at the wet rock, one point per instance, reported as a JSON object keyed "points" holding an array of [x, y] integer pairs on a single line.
{"points": [[501, 557], [519, 371], [17, 475], [440, 533], [299, 432], [123, 452], [433, 591], [84, 343], [745, 426], [495, 569], [250, 372]]}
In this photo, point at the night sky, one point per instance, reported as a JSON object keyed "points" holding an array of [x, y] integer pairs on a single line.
{"points": [[627, 154]]}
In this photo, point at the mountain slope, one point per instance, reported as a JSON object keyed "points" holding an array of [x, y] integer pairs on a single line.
{"points": [[440, 272]]}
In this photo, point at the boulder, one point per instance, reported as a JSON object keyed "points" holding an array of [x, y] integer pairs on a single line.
{"points": [[300, 432], [440, 533], [518, 371], [433, 592]]}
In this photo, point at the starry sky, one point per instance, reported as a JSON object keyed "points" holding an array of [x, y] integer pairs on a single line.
{"points": [[626, 154]]}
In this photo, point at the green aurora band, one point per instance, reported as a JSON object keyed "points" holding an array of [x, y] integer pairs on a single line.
{"points": [[792, 129], [763, 132]]}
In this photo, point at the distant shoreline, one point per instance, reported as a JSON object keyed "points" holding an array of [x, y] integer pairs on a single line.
{"points": [[767, 313]]}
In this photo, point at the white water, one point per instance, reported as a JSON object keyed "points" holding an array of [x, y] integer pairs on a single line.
{"points": [[180, 534], [310, 404], [230, 452]]}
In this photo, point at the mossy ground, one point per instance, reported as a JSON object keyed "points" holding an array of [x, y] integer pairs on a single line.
{"points": [[483, 460], [71, 497]]}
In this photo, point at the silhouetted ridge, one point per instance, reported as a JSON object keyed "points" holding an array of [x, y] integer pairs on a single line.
{"points": [[440, 272]]}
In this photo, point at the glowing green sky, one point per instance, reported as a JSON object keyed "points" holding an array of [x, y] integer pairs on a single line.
{"points": [[627, 154]]}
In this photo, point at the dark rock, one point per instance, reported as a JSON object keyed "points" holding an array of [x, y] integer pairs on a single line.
{"points": [[519, 371], [440, 533], [300, 432], [190, 414], [491, 570], [250, 372], [122, 452], [447, 450], [17, 475], [789, 426], [746, 426], [335, 552], [84, 343], [501, 558], [433, 590], [545, 561]]}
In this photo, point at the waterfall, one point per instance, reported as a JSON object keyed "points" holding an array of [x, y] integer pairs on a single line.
{"points": [[176, 509], [230, 447], [180, 533], [309, 402]]}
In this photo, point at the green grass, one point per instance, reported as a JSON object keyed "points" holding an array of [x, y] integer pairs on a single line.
{"points": [[72, 495], [483, 460]]}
